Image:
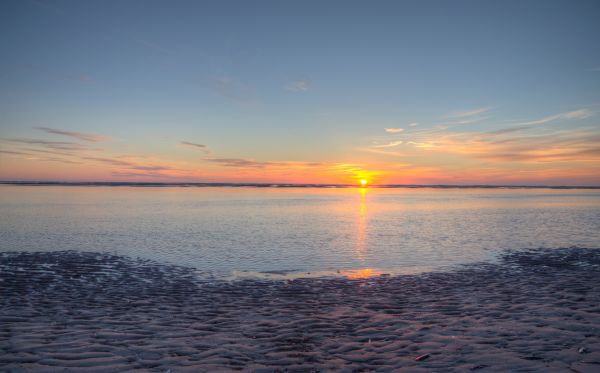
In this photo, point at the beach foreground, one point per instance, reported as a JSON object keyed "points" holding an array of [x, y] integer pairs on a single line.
{"points": [[534, 311]]}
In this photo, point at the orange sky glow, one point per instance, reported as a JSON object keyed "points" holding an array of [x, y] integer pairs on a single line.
{"points": [[95, 91]]}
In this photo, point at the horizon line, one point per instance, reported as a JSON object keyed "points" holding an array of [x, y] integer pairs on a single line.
{"points": [[282, 185]]}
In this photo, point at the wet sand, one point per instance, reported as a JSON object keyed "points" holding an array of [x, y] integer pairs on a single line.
{"points": [[536, 311]]}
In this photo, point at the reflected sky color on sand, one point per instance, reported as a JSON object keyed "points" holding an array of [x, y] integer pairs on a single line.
{"points": [[362, 273], [356, 231]]}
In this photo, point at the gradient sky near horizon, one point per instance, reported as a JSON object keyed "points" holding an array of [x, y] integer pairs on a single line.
{"points": [[416, 92]]}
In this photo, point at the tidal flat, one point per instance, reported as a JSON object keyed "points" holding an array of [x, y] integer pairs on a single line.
{"points": [[530, 311]]}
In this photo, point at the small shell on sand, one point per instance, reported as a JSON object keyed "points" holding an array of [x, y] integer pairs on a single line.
{"points": [[422, 357]]}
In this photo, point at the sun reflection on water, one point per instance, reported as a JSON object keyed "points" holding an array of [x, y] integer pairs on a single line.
{"points": [[361, 225]]}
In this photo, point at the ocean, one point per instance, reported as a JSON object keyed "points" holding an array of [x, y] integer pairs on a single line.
{"points": [[224, 230]]}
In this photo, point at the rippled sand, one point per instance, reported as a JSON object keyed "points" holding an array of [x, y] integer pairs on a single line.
{"points": [[536, 311]]}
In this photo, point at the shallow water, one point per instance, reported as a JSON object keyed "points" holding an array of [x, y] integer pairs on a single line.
{"points": [[305, 229]]}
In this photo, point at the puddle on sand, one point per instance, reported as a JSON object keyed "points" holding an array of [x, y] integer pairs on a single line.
{"points": [[351, 274]]}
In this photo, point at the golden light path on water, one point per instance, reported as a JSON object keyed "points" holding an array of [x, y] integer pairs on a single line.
{"points": [[361, 250], [361, 225], [361, 238]]}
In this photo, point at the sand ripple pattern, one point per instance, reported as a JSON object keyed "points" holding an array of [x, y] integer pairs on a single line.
{"points": [[534, 311]]}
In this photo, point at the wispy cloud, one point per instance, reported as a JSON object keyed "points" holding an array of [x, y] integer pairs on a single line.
{"points": [[573, 146], [422, 144], [12, 152], [150, 168], [383, 151], [413, 124], [60, 160], [110, 161], [193, 145], [389, 145], [37, 157], [227, 87], [298, 85], [243, 163], [92, 137], [155, 174], [48, 151], [466, 120], [133, 166], [467, 116], [196, 146], [560, 146], [469, 113], [553, 144], [82, 78], [394, 130], [576, 114], [58, 145], [151, 45], [146, 167]]}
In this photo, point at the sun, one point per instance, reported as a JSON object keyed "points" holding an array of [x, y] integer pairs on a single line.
{"points": [[363, 182]]}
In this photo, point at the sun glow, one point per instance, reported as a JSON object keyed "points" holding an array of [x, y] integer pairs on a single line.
{"points": [[363, 182]]}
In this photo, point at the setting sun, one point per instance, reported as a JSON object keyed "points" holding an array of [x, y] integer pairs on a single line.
{"points": [[363, 182]]}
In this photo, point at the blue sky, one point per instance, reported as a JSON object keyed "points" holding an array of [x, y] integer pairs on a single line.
{"points": [[310, 81]]}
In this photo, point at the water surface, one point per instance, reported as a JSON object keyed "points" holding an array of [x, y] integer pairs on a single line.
{"points": [[306, 229]]}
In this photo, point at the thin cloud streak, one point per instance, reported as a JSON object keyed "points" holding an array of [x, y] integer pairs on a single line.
{"points": [[151, 45], [110, 161], [132, 165], [36, 157], [299, 85], [82, 78], [465, 121], [60, 160], [58, 145], [469, 113], [241, 163], [577, 114], [383, 152], [48, 151], [226, 87], [573, 146], [502, 145], [11, 152], [193, 145], [389, 145], [91, 137]]}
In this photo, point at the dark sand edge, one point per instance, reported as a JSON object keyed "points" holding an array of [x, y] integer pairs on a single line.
{"points": [[533, 311]]}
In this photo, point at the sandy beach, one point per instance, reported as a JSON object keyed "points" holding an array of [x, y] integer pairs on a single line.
{"points": [[535, 311]]}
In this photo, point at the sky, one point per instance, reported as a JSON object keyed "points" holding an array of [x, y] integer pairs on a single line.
{"points": [[393, 92]]}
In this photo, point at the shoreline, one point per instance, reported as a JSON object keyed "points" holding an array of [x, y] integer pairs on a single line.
{"points": [[532, 311]]}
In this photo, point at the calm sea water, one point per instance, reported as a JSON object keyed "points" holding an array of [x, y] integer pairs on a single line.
{"points": [[270, 229]]}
